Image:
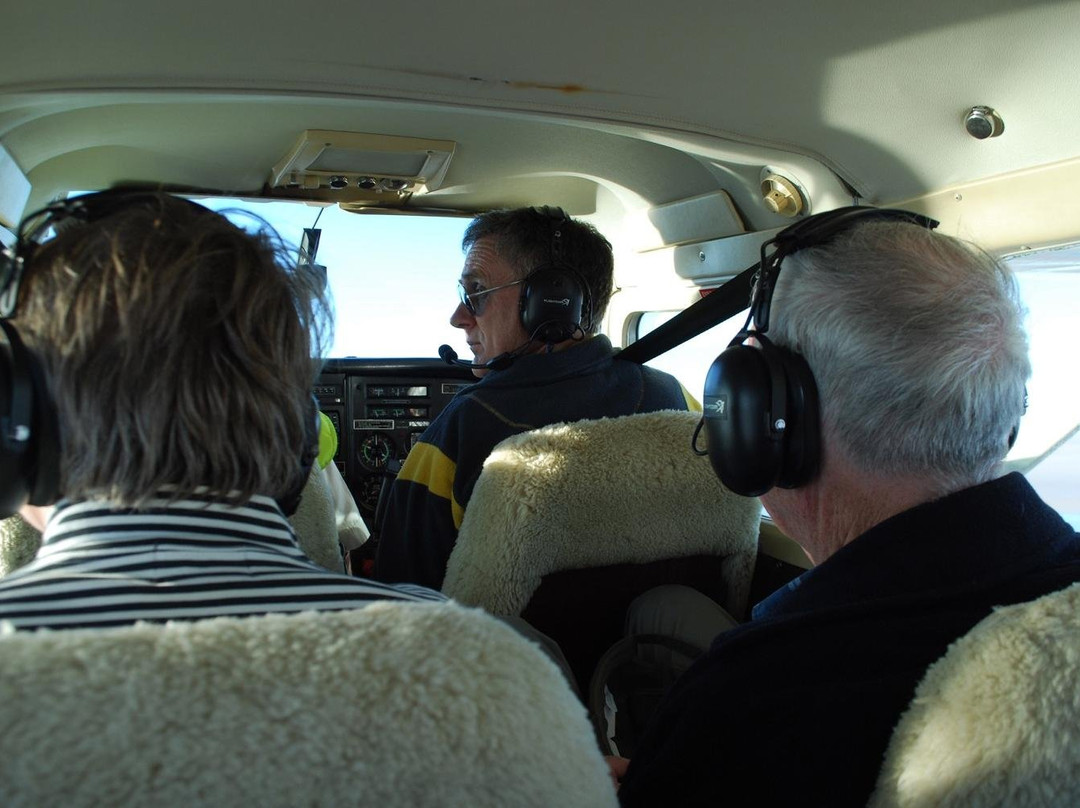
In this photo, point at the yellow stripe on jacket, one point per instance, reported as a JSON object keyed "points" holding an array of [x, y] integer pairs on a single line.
{"points": [[692, 403], [428, 466]]}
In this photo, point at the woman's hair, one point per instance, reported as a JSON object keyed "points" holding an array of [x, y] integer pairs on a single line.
{"points": [[180, 351], [917, 345]]}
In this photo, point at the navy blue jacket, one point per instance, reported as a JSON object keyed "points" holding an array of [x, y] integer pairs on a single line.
{"points": [[797, 706], [427, 501]]}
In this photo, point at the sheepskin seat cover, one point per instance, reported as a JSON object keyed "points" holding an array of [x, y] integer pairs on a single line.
{"points": [[996, 721], [316, 525], [19, 543], [390, 705], [595, 493]]}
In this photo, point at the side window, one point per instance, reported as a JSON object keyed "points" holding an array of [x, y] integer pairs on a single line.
{"points": [[1047, 449], [689, 362]]}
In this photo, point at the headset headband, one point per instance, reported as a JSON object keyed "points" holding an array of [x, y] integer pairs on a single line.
{"points": [[86, 208], [550, 279], [556, 234]]}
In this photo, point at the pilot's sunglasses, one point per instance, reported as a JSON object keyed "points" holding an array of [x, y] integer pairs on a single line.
{"points": [[470, 299]]}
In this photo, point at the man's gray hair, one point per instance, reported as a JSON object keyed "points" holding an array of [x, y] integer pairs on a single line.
{"points": [[917, 345]]}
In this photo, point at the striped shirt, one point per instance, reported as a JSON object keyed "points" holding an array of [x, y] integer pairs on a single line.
{"points": [[186, 560]]}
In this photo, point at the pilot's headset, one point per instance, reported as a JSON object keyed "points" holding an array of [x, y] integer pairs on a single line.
{"points": [[29, 430], [761, 418], [555, 302]]}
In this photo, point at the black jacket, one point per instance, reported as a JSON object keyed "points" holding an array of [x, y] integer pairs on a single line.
{"points": [[797, 706]]}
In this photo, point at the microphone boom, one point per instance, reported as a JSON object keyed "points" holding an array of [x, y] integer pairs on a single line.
{"points": [[500, 362]]}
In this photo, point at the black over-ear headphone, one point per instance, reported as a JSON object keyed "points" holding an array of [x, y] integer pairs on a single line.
{"points": [[761, 403], [554, 297], [29, 436], [289, 502]]}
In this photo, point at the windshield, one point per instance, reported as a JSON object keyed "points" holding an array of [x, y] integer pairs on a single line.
{"points": [[392, 276]]}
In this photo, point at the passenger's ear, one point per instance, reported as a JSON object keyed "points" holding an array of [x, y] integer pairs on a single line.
{"points": [[1016, 427]]}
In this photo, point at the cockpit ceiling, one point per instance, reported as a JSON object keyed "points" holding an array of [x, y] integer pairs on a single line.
{"points": [[643, 101], [228, 141]]}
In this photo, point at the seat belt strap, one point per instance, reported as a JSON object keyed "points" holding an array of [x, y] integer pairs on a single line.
{"points": [[720, 304]]}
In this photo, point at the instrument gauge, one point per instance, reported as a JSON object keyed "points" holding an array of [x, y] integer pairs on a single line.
{"points": [[375, 451], [368, 495]]}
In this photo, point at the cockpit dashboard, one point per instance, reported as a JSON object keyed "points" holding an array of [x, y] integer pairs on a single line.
{"points": [[379, 408]]}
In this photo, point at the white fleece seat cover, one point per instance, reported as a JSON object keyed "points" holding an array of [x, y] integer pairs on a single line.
{"points": [[996, 721], [19, 543], [316, 525], [390, 705], [594, 493]]}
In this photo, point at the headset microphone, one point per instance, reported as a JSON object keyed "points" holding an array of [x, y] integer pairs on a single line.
{"points": [[500, 362]]}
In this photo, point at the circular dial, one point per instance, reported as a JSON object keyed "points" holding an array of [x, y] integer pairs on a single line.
{"points": [[375, 450], [368, 495]]}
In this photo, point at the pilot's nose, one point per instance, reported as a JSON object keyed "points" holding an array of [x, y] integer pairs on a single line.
{"points": [[462, 317]]}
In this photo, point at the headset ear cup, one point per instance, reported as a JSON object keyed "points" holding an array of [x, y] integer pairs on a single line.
{"points": [[742, 388], [744, 453], [29, 444], [551, 304], [289, 502], [13, 485], [45, 488]]}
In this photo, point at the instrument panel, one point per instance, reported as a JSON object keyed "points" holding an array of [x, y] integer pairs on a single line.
{"points": [[380, 407]]}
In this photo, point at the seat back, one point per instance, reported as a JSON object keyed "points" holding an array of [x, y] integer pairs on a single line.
{"points": [[391, 705], [996, 721], [584, 610], [567, 524]]}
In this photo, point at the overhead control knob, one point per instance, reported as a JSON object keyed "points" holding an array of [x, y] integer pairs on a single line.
{"points": [[983, 122]]}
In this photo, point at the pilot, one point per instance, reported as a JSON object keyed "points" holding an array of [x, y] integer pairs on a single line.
{"points": [[900, 360], [178, 350], [533, 292]]}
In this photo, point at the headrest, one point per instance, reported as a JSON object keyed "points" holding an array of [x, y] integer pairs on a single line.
{"points": [[390, 705], [594, 493]]}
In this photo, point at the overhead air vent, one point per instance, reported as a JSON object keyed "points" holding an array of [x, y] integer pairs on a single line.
{"points": [[352, 166], [781, 194]]}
